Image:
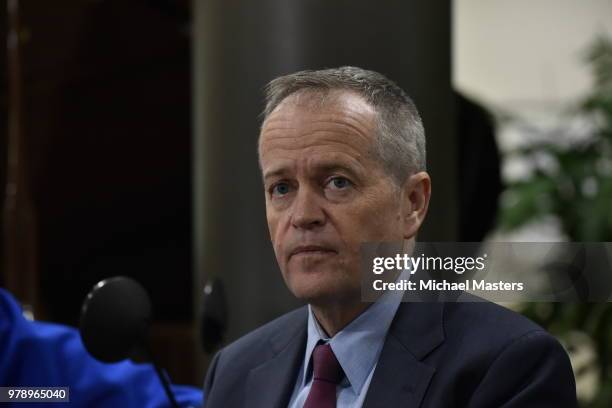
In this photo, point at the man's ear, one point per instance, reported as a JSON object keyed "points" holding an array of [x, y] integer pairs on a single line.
{"points": [[416, 192]]}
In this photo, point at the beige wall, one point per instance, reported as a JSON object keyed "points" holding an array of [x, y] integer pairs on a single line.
{"points": [[518, 54]]}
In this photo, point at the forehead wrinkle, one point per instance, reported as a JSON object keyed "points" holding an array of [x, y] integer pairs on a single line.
{"points": [[347, 128], [332, 143], [315, 163], [273, 134], [289, 133], [351, 123], [303, 129], [334, 160]]}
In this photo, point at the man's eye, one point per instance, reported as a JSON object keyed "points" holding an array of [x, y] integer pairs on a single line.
{"points": [[280, 189], [339, 183]]}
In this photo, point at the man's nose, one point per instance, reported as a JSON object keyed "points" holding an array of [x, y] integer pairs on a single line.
{"points": [[307, 212]]}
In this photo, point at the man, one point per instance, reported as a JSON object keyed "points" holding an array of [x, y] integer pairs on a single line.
{"points": [[342, 154]]}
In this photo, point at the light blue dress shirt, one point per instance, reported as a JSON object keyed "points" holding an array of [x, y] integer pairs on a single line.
{"points": [[357, 348]]}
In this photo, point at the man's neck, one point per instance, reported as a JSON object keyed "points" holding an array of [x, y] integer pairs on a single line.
{"points": [[335, 317]]}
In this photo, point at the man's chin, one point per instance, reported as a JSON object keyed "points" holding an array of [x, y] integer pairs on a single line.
{"points": [[320, 287]]}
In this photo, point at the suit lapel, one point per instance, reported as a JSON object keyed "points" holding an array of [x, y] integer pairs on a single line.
{"points": [[400, 377], [270, 384]]}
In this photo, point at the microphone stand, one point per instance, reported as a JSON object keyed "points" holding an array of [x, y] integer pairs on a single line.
{"points": [[162, 378], [165, 384]]}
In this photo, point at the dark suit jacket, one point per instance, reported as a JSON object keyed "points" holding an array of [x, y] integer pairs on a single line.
{"points": [[438, 355]]}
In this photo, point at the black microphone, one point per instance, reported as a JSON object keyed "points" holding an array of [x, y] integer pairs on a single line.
{"points": [[214, 315], [115, 320]]}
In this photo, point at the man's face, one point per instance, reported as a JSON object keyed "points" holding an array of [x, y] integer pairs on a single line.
{"points": [[325, 194]]}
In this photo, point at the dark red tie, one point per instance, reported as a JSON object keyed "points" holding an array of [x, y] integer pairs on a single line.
{"points": [[327, 374]]}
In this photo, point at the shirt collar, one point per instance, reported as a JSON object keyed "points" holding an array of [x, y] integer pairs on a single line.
{"points": [[357, 346]]}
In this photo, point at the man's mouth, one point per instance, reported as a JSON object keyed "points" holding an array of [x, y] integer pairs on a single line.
{"points": [[306, 250]]}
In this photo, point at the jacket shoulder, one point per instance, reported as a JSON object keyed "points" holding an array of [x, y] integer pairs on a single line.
{"points": [[481, 317], [483, 330], [257, 345]]}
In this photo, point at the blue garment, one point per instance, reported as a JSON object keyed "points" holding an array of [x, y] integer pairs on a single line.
{"points": [[37, 354], [357, 348]]}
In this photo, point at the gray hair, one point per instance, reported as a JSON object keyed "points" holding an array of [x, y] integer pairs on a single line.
{"points": [[400, 145]]}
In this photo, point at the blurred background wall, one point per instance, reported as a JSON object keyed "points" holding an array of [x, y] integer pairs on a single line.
{"points": [[524, 55], [97, 173]]}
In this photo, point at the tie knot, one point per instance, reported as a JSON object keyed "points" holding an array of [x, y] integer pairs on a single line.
{"points": [[325, 365]]}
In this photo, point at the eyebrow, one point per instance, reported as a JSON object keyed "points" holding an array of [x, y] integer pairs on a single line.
{"points": [[274, 173], [325, 166]]}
